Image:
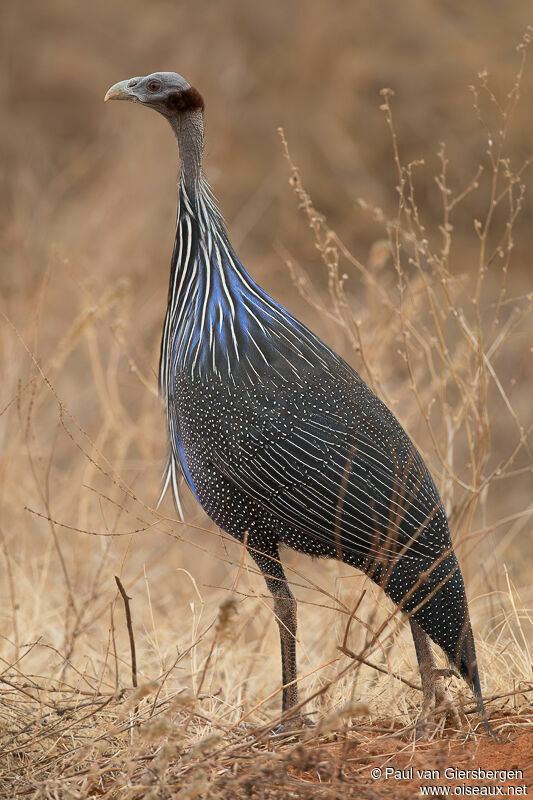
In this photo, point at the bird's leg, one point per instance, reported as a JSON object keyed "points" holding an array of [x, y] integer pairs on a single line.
{"points": [[286, 616], [434, 692]]}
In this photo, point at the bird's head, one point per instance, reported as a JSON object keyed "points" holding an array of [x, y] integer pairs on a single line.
{"points": [[166, 92]]}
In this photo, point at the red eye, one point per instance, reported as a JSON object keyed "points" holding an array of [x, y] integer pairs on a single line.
{"points": [[154, 86]]}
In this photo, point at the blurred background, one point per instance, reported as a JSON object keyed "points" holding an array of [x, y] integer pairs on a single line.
{"points": [[87, 223]]}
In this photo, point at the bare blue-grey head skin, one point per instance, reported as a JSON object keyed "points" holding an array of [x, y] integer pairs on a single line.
{"points": [[152, 90], [172, 96], [281, 441]]}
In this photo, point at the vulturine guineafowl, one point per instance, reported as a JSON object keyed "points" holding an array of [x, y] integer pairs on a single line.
{"points": [[281, 441]]}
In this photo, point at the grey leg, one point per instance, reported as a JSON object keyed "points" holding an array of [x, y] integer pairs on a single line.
{"points": [[434, 692], [286, 616]]}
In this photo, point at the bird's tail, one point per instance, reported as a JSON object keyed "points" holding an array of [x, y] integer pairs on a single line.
{"points": [[438, 604], [466, 663]]}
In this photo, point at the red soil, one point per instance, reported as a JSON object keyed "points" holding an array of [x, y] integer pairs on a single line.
{"points": [[351, 763]]}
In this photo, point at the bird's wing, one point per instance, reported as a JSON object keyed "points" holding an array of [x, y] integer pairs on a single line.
{"points": [[360, 485]]}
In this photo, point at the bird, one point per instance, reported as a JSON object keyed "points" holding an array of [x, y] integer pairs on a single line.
{"points": [[280, 440]]}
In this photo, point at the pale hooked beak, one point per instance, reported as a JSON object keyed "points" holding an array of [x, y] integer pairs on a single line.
{"points": [[120, 91]]}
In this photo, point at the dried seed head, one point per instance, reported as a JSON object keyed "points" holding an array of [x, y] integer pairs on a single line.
{"points": [[379, 254], [205, 744], [155, 729], [142, 691], [134, 697], [197, 788], [183, 700], [167, 753], [227, 611]]}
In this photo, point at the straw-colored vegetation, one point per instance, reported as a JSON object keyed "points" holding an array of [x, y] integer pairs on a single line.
{"points": [[425, 289]]}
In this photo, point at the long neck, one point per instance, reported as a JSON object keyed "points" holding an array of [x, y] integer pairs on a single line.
{"points": [[218, 319], [188, 128]]}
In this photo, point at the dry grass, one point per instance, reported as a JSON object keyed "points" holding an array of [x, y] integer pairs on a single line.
{"points": [[435, 316]]}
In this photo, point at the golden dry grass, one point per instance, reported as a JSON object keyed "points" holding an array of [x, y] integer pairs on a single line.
{"points": [[424, 287]]}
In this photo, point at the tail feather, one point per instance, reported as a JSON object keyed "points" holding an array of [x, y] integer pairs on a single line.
{"points": [[469, 670], [438, 604]]}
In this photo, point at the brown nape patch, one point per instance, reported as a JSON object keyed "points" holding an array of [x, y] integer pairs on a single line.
{"points": [[187, 100]]}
